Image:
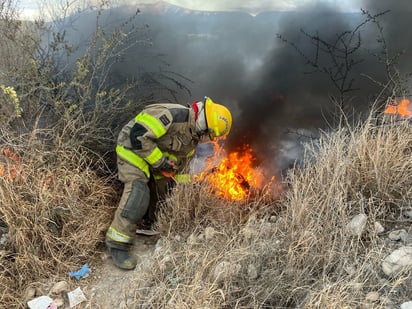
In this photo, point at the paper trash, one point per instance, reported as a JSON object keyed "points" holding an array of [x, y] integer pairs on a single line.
{"points": [[41, 302], [76, 297]]}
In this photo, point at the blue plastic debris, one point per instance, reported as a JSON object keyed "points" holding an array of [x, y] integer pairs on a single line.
{"points": [[82, 272]]}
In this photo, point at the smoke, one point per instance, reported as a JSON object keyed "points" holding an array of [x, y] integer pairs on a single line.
{"points": [[238, 60], [287, 95], [395, 24]]}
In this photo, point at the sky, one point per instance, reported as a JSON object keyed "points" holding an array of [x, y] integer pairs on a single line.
{"points": [[29, 8]]}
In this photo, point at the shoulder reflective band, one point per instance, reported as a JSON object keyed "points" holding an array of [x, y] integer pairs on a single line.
{"points": [[133, 159], [154, 156], [115, 235], [152, 122]]}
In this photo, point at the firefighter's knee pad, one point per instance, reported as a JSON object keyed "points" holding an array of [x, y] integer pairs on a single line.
{"points": [[137, 202]]}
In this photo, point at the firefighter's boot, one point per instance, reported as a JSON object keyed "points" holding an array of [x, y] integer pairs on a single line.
{"points": [[121, 257]]}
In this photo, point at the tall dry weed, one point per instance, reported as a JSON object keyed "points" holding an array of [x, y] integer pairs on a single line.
{"points": [[219, 254], [56, 212]]}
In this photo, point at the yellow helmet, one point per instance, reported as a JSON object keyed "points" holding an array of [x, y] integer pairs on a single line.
{"points": [[218, 119]]}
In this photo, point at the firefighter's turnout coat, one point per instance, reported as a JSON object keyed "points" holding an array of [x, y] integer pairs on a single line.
{"points": [[159, 131]]}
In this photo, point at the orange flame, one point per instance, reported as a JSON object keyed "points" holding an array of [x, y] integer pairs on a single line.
{"points": [[403, 109], [12, 167], [235, 175]]}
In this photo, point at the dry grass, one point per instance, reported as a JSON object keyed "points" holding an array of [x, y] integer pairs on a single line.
{"points": [[56, 213], [291, 253], [260, 253]]}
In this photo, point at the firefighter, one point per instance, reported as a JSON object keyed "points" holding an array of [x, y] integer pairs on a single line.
{"points": [[155, 146]]}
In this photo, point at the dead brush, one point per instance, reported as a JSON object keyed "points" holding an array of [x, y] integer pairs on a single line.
{"points": [[201, 232], [197, 206], [56, 213], [302, 256], [381, 166], [360, 170]]}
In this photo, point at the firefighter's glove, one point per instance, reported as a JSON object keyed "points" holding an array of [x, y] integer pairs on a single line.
{"points": [[168, 168]]}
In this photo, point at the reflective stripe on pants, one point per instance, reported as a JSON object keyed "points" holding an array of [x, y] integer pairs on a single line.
{"points": [[116, 236]]}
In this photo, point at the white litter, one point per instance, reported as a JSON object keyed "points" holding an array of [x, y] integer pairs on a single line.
{"points": [[41, 302], [76, 297]]}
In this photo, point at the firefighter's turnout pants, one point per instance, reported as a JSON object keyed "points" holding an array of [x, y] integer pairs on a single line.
{"points": [[136, 202]]}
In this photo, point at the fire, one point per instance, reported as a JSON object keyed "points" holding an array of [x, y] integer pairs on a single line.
{"points": [[12, 167], [235, 175], [403, 109]]}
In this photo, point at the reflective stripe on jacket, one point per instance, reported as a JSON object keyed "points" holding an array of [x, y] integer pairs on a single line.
{"points": [[159, 131], [137, 161]]}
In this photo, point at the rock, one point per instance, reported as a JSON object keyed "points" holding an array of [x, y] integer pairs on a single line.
{"points": [[372, 297], [192, 239], [210, 232], [59, 287], [350, 269], [357, 225], [407, 213], [252, 220], [104, 256], [249, 233], [266, 229], [398, 235], [407, 305], [225, 270], [201, 237], [252, 272], [3, 239], [379, 229], [165, 263], [158, 245], [397, 260], [58, 302], [29, 294]]}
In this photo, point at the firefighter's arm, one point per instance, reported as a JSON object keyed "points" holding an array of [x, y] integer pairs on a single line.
{"points": [[148, 128]]}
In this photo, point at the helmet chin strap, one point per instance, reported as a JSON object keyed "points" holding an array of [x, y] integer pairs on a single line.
{"points": [[201, 127]]}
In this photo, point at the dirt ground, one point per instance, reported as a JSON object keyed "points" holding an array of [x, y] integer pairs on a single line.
{"points": [[111, 287]]}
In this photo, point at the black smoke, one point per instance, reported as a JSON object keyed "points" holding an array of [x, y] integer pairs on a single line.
{"points": [[238, 60]]}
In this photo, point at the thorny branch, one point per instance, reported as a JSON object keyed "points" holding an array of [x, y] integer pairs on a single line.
{"points": [[340, 57], [394, 85]]}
